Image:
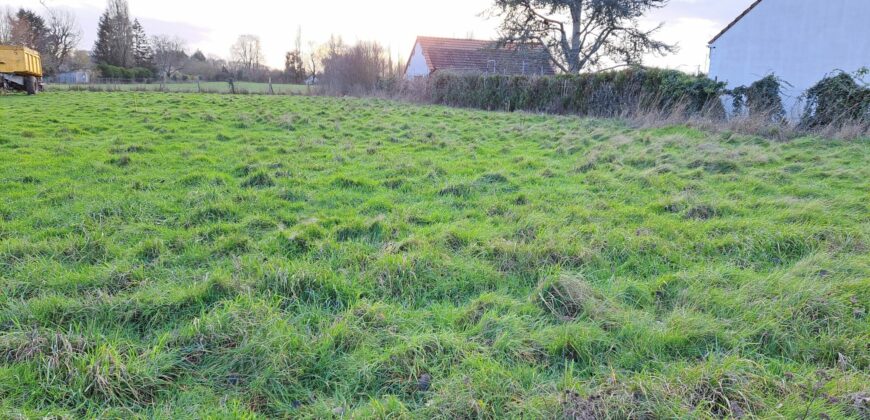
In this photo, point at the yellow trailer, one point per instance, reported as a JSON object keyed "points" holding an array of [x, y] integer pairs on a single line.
{"points": [[20, 68]]}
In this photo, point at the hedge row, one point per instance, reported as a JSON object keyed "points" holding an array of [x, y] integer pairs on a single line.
{"points": [[839, 99], [606, 94], [116, 72]]}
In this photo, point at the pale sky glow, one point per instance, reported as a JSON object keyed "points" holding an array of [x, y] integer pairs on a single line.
{"points": [[213, 26]]}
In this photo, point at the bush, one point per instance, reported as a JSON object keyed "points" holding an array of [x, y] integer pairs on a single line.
{"points": [[837, 100], [141, 73], [762, 99], [115, 72], [606, 94]]}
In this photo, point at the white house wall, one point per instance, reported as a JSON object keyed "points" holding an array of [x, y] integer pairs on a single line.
{"points": [[417, 65], [800, 41]]}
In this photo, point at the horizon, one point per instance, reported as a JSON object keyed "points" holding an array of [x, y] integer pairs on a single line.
{"points": [[688, 23]]}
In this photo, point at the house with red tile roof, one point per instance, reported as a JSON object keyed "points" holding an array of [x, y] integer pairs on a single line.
{"points": [[431, 55]]}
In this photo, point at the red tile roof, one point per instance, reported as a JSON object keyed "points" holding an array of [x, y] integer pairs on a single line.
{"points": [[470, 55], [734, 22]]}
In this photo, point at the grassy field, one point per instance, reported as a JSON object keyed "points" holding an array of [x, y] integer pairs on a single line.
{"points": [[210, 87], [182, 255]]}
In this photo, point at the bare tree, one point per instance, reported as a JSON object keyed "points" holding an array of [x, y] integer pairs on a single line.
{"points": [[6, 18], [356, 69], [169, 54], [62, 37], [298, 41], [313, 60], [319, 54], [582, 34], [247, 53]]}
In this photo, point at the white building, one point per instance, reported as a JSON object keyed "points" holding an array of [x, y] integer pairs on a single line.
{"points": [[73, 77], [431, 54], [800, 41]]}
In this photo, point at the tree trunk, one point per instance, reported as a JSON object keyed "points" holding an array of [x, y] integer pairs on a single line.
{"points": [[574, 61]]}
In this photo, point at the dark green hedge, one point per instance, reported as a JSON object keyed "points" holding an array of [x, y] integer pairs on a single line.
{"points": [[116, 72], [606, 94]]}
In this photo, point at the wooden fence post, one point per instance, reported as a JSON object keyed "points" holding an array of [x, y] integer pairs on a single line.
{"points": [[271, 91], [198, 88]]}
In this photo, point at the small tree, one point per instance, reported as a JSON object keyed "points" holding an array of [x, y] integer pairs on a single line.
{"points": [[294, 66], [582, 34], [357, 69], [247, 53], [169, 55]]}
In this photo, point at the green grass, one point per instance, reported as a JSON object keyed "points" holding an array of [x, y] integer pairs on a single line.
{"points": [[209, 87], [182, 255]]}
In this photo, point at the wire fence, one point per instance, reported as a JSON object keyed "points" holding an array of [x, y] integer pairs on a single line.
{"points": [[104, 84]]}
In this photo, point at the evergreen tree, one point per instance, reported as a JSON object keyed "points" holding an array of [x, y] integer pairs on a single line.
{"points": [[114, 45], [28, 29], [143, 53], [198, 56], [583, 35], [102, 47]]}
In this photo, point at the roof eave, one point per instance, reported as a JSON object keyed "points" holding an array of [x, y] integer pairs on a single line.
{"points": [[425, 58], [734, 22]]}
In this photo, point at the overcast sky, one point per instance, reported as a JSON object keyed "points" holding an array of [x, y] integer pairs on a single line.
{"points": [[212, 26]]}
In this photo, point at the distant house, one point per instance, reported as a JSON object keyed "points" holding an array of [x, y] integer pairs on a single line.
{"points": [[800, 41], [432, 54], [73, 77]]}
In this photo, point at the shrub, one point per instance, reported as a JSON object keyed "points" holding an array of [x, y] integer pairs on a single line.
{"points": [[762, 99], [116, 72], [838, 99]]}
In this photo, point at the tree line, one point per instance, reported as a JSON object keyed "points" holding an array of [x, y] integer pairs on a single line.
{"points": [[578, 35], [123, 50]]}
